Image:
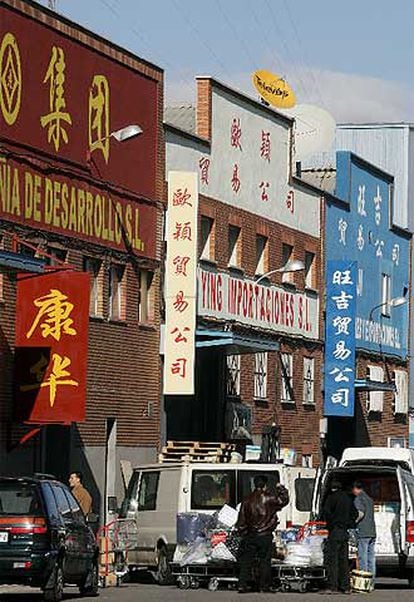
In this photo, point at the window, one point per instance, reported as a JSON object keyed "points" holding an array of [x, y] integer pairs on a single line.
{"points": [[130, 503], [211, 489], [261, 254], [75, 508], [401, 394], [62, 502], [18, 499], [245, 481], [303, 494], [308, 380], [234, 246], [94, 268], [57, 256], [52, 509], [287, 255], [145, 296], [260, 375], [287, 377], [233, 375], [207, 238], [148, 489], [375, 399], [117, 292], [386, 294], [309, 269]]}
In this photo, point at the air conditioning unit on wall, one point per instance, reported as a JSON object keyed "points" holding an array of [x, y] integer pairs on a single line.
{"points": [[398, 442]]}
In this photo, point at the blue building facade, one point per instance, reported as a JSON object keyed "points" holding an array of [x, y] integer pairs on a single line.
{"points": [[359, 228]]}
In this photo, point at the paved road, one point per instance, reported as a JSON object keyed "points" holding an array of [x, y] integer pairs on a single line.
{"points": [[386, 592]]}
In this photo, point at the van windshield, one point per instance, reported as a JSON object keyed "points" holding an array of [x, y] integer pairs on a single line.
{"points": [[19, 499], [130, 503], [211, 489], [303, 494], [246, 482]]}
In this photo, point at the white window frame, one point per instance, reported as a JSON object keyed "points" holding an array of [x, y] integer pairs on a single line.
{"points": [[400, 378], [93, 267], [375, 399], [260, 375], [309, 380], [234, 253], [287, 277], [117, 275], [286, 368], [261, 261], [385, 294], [207, 252], [310, 270], [233, 366]]}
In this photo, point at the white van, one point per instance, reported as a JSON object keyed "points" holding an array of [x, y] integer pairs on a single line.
{"points": [[387, 475], [156, 493]]}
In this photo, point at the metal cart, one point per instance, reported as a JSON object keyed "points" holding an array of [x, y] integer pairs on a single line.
{"points": [[213, 574], [116, 539]]}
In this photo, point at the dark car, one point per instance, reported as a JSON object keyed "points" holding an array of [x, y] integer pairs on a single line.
{"points": [[45, 540]]}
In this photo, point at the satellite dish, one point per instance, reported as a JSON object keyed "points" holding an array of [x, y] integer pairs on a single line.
{"points": [[274, 90], [314, 130]]}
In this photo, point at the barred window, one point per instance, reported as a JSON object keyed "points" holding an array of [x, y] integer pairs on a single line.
{"points": [[308, 380], [233, 375], [401, 394], [260, 376], [287, 377]]}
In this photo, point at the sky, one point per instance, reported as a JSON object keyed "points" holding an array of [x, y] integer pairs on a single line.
{"points": [[354, 58]]}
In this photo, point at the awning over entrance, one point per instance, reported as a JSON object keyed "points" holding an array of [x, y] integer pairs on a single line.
{"points": [[233, 342], [23, 263], [373, 385]]}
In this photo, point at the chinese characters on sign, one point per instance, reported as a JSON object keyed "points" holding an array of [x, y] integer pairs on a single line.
{"points": [[340, 338], [51, 347], [98, 116], [10, 78], [180, 283]]}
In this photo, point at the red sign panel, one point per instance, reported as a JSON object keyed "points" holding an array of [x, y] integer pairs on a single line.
{"points": [[51, 347], [66, 98], [73, 207]]}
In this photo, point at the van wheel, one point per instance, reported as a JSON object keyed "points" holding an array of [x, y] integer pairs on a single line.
{"points": [[53, 591], [163, 574], [90, 586]]}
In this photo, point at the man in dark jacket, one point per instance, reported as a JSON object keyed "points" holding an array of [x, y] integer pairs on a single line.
{"points": [[340, 515], [256, 523]]}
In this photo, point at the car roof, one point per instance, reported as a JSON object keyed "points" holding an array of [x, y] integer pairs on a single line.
{"points": [[35, 480]]}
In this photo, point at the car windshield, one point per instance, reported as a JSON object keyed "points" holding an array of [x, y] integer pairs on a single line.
{"points": [[19, 499]]}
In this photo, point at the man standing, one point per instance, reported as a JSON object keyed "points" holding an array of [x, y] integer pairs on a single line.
{"points": [[79, 492], [365, 529], [256, 523], [340, 514]]}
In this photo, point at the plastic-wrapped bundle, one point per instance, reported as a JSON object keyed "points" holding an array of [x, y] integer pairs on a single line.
{"points": [[298, 554], [191, 525], [197, 552]]}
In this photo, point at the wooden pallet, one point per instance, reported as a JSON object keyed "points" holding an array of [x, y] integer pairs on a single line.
{"points": [[196, 451]]}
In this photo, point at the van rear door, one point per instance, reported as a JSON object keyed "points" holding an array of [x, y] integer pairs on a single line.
{"points": [[406, 483]]}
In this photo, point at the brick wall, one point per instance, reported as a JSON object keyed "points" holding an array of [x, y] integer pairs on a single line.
{"points": [[299, 422]]}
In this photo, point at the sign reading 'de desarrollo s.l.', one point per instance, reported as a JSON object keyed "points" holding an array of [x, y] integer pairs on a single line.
{"points": [[340, 338]]}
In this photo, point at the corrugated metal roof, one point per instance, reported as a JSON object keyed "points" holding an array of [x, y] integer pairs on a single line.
{"points": [[182, 116], [325, 179]]}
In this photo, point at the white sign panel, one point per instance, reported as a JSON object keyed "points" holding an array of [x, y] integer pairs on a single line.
{"points": [[180, 283], [226, 297]]}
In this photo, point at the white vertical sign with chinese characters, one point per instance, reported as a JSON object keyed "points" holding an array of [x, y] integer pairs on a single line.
{"points": [[181, 283]]}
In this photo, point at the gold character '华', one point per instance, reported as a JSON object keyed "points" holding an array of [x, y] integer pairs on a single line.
{"points": [[56, 119], [98, 116], [53, 315], [57, 377]]}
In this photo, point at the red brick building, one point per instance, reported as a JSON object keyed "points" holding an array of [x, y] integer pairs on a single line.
{"points": [[259, 347], [73, 196]]}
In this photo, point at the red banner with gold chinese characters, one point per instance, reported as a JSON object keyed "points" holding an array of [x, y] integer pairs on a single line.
{"points": [[52, 317]]}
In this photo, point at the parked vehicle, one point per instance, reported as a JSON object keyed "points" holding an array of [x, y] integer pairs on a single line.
{"points": [[45, 540], [387, 475], [157, 493]]}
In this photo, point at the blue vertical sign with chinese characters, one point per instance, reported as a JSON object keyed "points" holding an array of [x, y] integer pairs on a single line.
{"points": [[340, 338]]}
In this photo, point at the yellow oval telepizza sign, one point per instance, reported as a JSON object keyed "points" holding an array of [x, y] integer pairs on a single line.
{"points": [[274, 89]]}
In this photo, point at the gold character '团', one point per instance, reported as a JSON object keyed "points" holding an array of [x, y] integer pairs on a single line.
{"points": [[57, 377], [56, 119], [53, 315], [98, 116]]}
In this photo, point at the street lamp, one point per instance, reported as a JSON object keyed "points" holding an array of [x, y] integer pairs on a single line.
{"points": [[394, 302], [293, 265], [125, 133]]}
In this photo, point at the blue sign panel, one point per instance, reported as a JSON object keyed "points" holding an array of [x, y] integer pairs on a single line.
{"points": [[359, 228], [340, 338]]}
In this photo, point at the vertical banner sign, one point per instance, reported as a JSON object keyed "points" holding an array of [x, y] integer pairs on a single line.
{"points": [[181, 283], [340, 338], [52, 317]]}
